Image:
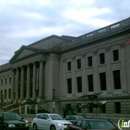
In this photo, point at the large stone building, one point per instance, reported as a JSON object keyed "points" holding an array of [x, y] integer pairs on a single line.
{"points": [[63, 68]]}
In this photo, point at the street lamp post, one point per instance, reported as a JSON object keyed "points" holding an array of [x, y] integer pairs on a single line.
{"points": [[53, 100]]}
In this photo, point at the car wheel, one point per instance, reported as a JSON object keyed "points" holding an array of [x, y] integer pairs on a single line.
{"points": [[34, 127], [52, 127]]}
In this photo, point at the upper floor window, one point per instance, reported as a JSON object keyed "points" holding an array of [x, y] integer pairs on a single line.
{"points": [[69, 85], [115, 55], [79, 84], [69, 66], [102, 58], [117, 81], [5, 80], [79, 64], [9, 79], [1, 81], [89, 61]]}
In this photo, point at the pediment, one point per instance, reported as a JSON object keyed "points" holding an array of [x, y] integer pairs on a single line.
{"points": [[23, 52]]}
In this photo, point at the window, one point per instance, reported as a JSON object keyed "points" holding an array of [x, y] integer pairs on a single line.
{"points": [[103, 108], [79, 84], [102, 81], [5, 80], [117, 82], [79, 64], [69, 66], [115, 55], [89, 61], [90, 83], [90, 110], [69, 84], [1, 81], [117, 106], [102, 58], [9, 79]]}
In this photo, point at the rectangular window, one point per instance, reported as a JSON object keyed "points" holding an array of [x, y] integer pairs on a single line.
{"points": [[117, 106], [69, 85], [79, 84], [79, 64], [102, 81], [9, 93], [5, 94], [10, 80], [115, 55], [1, 81], [103, 108], [69, 66], [117, 81], [102, 58], [89, 61], [90, 83], [90, 110], [5, 81]]}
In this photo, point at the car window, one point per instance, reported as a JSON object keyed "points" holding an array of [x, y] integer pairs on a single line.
{"points": [[40, 116], [45, 117], [73, 118], [98, 124], [77, 123], [84, 124], [68, 117], [11, 116], [56, 117]]}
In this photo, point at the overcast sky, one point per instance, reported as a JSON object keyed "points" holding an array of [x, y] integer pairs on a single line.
{"points": [[23, 22]]}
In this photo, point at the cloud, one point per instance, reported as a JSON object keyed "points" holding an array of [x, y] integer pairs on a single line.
{"points": [[26, 21]]}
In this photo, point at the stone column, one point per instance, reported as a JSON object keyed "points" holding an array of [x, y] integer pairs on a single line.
{"points": [[22, 83], [34, 80], [74, 86], [12, 85], [123, 70], [28, 82], [84, 89], [109, 73], [41, 80], [95, 75], [16, 84]]}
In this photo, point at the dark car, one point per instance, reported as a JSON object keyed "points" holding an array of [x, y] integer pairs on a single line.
{"points": [[12, 121], [92, 124], [73, 118]]}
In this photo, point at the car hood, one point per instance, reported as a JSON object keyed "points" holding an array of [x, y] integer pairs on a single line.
{"points": [[14, 122], [63, 121]]}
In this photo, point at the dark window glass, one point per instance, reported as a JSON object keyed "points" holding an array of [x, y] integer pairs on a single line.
{"points": [[115, 55], [79, 84], [102, 58], [5, 80], [117, 106], [9, 79], [103, 108], [79, 64], [90, 83], [90, 61], [69, 84], [1, 81], [117, 82], [90, 110], [69, 66], [103, 81]]}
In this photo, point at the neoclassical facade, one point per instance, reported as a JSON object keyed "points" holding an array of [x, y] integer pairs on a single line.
{"points": [[57, 70]]}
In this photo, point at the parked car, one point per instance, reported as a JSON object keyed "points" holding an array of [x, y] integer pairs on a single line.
{"points": [[48, 121], [73, 118], [10, 121], [92, 124]]}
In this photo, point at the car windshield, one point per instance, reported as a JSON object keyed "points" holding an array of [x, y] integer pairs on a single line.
{"points": [[11, 116], [56, 117], [99, 124]]}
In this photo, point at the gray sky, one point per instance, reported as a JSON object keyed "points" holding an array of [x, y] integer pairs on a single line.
{"points": [[23, 22]]}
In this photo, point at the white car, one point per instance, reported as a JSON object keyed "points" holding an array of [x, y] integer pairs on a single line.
{"points": [[48, 121]]}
